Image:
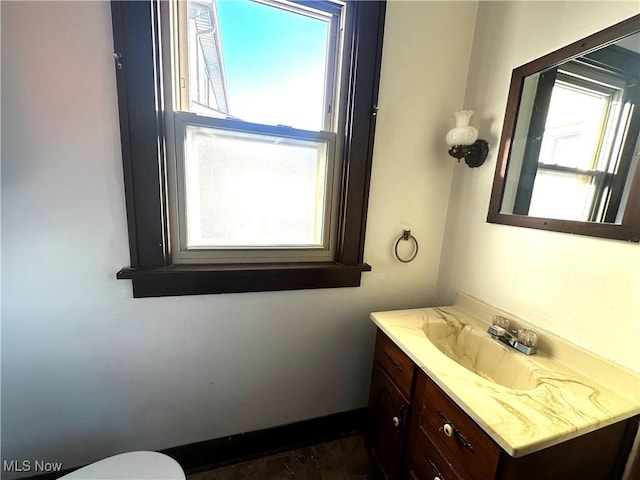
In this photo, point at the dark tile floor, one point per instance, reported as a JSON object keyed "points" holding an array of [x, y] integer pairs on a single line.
{"points": [[344, 459]]}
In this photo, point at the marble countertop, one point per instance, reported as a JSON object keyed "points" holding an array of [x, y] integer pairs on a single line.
{"points": [[574, 391]]}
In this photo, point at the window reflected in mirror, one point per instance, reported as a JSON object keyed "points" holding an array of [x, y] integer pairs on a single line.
{"points": [[570, 144]]}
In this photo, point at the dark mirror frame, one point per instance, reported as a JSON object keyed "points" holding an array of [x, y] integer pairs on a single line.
{"points": [[629, 229]]}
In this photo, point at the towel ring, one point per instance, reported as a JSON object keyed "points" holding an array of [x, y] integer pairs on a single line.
{"points": [[406, 235]]}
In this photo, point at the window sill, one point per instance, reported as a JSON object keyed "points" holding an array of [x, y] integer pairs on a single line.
{"points": [[235, 278]]}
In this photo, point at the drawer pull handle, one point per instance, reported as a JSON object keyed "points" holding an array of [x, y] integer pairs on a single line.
{"points": [[451, 431], [465, 443], [396, 422], [436, 472], [395, 362]]}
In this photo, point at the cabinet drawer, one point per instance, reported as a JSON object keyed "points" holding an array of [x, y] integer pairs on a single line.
{"points": [[470, 450], [395, 362], [427, 463]]}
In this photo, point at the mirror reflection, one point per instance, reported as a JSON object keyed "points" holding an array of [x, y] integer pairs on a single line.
{"points": [[575, 145]]}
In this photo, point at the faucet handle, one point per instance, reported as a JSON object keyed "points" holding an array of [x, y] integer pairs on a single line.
{"points": [[528, 338], [501, 321]]}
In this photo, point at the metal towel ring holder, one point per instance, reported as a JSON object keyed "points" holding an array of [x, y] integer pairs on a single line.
{"points": [[406, 235]]}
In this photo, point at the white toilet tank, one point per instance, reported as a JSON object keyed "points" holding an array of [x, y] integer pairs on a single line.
{"points": [[131, 466]]}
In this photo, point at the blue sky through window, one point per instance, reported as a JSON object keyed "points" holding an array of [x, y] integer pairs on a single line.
{"points": [[275, 63]]}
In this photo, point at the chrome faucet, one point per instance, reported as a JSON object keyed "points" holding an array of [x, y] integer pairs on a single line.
{"points": [[524, 342]]}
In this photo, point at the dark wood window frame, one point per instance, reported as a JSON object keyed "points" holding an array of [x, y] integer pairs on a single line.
{"points": [[138, 75]]}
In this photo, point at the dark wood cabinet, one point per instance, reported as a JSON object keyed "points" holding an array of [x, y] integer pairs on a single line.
{"points": [[426, 461], [389, 408], [417, 432], [448, 437], [468, 450]]}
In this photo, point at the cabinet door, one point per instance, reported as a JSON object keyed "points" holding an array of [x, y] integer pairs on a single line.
{"points": [[388, 414]]}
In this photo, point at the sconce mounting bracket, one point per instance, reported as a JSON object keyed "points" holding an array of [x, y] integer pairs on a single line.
{"points": [[474, 155]]}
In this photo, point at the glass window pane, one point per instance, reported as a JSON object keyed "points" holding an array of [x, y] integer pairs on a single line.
{"points": [[258, 62], [562, 195], [250, 190], [573, 130]]}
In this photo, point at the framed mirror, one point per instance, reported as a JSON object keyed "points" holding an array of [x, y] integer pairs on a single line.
{"points": [[570, 146]]}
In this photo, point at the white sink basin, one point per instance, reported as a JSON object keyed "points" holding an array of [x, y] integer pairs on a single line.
{"points": [[475, 350]]}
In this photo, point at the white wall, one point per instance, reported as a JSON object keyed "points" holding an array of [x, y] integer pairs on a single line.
{"points": [[87, 370], [584, 289]]}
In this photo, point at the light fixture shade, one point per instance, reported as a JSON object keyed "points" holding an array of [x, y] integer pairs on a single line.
{"points": [[462, 133]]}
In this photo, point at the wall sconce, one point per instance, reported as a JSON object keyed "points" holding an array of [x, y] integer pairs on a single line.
{"points": [[464, 143]]}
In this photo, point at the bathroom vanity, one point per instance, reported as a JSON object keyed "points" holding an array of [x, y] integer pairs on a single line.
{"points": [[449, 402]]}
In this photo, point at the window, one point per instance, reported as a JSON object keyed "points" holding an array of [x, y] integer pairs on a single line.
{"points": [[252, 127], [579, 139], [581, 144], [246, 145]]}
